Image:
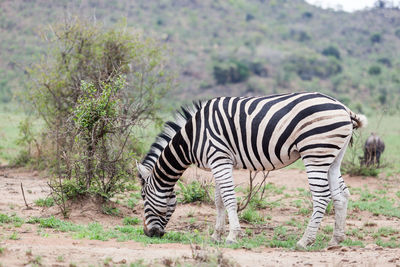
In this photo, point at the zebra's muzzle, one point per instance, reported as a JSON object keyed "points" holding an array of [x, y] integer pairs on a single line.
{"points": [[155, 231]]}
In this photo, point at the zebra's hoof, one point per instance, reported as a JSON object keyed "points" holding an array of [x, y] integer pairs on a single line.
{"points": [[336, 240], [301, 245]]}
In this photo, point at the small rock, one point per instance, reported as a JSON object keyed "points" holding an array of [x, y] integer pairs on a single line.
{"points": [[370, 246], [394, 260], [344, 249], [379, 248]]}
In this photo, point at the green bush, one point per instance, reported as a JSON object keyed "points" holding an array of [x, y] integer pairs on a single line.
{"points": [[46, 202], [331, 51], [193, 192], [385, 61], [131, 221], [397, 33], [307, 67], [230, 71], [376, 38], [93, 86], [374, 70]]}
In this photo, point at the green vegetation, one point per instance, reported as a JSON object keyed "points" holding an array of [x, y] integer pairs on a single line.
{"points": [[47, 202], [252, 30], [131, 221], [376, 204], [91, 89], [194, 191]]}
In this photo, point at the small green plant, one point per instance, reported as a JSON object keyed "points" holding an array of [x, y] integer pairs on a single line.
{"points": [[14, 236], [374, 70], [46, 202], [385, 232], [131, 221], [250, 215], [110, 210], [107, 261], [60, 258], [2, 250], [349, 243], [192, 192], [37, 261], [388, 244]]}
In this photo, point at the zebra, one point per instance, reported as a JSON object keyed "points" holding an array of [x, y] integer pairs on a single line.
{"points": [[255, 133]]}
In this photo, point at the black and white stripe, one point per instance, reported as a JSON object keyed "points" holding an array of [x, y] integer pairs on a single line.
{"points": [[255, 133]]}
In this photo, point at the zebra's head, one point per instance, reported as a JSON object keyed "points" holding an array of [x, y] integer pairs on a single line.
{"points": [[158, 206]]}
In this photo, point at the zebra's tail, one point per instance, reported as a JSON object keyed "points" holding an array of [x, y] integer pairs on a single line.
{"points": [[358, 120]]}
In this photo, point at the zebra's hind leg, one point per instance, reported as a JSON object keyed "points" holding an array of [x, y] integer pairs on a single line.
{"points": [[222, 172], [340, 197], [220, 221], [319, 186]]}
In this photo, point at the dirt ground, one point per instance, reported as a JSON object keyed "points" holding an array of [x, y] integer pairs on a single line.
{"points": [[59, 249]]}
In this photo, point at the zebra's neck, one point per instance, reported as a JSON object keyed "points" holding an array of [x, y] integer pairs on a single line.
{"points": [[171, 164]]}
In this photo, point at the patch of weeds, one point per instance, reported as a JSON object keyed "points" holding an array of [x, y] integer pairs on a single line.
{"points": [[2, 250], [17, 221], [131, 221], [375, 204], [194, 191], [328, 229], [36, 261], [132, 202], [270, 187], [14, 236], [292, 222], [107, 261], [95, 231], [321, 241], [55, 223], [355, 232], [304, 211], [46, 202], [251, 241], [398, 194], [282, 238], [385, 232], [329, 208], [303, 192], [381, 191], [138, 263], [110, 210], [392, 243], [60, 258], [250, 215], [350, 243]]}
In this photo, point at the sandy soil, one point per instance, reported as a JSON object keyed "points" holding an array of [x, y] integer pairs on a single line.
{"points": [[59, 249]]}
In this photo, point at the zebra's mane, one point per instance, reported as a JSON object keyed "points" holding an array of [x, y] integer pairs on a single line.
{"points": [[169, 131]]}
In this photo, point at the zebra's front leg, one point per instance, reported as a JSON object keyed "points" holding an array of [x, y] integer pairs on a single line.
{"points": [[224, 181], [319, 186], [220, 221]]}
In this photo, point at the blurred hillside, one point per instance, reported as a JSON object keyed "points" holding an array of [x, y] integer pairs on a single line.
{"points": [[234, 47]]}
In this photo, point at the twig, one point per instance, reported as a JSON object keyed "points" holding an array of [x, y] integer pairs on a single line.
{"points": [[23, 194], [253, 191]]}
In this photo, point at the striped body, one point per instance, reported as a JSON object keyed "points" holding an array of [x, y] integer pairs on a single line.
{"points": [[255, 133]]}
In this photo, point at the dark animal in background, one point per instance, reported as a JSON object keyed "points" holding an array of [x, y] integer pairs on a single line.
{"points": [[373, 150]]}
